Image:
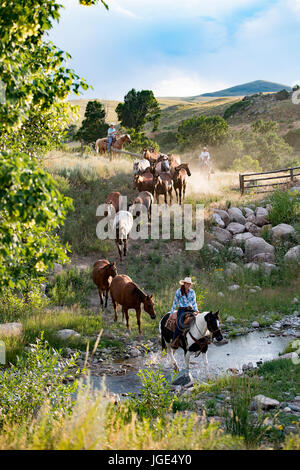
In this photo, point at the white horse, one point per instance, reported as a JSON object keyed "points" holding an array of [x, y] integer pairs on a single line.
{"points": [[122, 225], [196, 339]]}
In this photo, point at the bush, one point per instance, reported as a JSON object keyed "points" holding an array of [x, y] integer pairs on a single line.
{"points": [[71, 287], [246, 163], [208, 130], [239, 106], [36, 378], [285, 207]]}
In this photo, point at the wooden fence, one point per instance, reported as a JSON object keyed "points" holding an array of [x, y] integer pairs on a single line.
{"points": [[289, 176]]}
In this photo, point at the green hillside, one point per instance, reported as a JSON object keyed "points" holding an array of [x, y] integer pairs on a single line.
{"points": [[257, 86]]}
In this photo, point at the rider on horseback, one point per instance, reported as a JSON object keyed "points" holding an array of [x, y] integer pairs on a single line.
{"points": [[111, 134], [185, 298], [204, 157]]}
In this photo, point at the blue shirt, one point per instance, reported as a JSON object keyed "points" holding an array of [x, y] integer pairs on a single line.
{"points": [[110, 131], [184, 300]]}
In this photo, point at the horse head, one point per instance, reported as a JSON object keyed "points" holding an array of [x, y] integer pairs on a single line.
{"points": [[112, 269], [128, 138], [149, 306], [213, 325]]}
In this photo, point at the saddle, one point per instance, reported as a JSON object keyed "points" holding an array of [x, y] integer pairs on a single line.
{"points": [[186, 323]]}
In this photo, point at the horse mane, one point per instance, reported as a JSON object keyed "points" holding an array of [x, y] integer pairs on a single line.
{"points": [[141, 295]]}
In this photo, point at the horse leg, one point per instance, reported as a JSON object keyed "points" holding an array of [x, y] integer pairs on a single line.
{"points": [[204, 355], [115, 305], [126, 316], [180, 195], [171, 356], [125, 246], [101, 297], [138, 319], [170, 194], [106, 297], [187, 359], [184, 188], [119, 249]]}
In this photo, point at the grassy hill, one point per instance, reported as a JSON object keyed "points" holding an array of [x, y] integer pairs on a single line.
{"points": [[257, 86]]}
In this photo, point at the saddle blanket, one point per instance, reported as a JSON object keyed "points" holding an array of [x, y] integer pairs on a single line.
{"points": [[172, 321]]}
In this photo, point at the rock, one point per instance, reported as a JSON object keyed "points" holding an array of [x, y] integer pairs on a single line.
{"points": [[261, 216], [287, 409], [57, 268], [264, 257], [282, 231], [222, 235], [252, 291], [252, 266], [212, 249], [295, 300], [231, 319], [265, 403], [293, 254], [256, 246], [217, 245], [233, 287], [253, 229], [250, 219], [223, 214], [11, 329], [255, 324], [248, 211], [218, 220], [236, 252], [236, 215], [294, 408], [268, 267], [67, 334], [235, 228], [240, 238], [231, 268], [134, 352], [183, 378], [220, 294]]}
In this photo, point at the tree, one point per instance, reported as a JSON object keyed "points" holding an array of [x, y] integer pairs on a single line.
{"points": [[203, 130], [93, 126], [35, 82], [138, 108], [140, 141]]}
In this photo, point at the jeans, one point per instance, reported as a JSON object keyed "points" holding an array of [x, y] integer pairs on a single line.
{"points": [[110, 139], [181, 311]]}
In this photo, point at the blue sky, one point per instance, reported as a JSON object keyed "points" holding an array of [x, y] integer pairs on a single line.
{"points": [[180, 47]]}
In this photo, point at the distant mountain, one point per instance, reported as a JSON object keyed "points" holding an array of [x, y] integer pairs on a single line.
{"points": [[258, 86]]}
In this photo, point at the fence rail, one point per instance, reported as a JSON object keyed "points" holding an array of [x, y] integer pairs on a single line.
{"points": [[290, 176]]}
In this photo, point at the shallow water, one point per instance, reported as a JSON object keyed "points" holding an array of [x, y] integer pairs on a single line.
{"points": [[253, 347]]}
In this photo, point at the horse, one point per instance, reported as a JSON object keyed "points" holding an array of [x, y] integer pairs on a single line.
{"points": [[163, 185], [179, 180], [145, 199], [113, 202], [101, 144], [122, 224], [144, 182], [195, 340], [150, 155], [102, 275], [140, 166], [174, 161], [161, 165], [206, 168], [125, 292]]}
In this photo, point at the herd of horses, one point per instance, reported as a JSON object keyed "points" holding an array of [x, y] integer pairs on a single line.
{"points": [[154, 175]]}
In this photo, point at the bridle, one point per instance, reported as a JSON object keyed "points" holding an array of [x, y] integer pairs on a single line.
{"points": [[202, 336]]}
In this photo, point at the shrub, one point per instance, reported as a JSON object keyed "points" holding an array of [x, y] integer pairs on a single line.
{"points": [[285, 207], [236, 107], [246, 163], [71, 287]]}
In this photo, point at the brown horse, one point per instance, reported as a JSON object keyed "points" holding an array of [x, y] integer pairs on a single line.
{"points": [[163, 186], [113, 200], [125, 292], [150, 155], [144, 198], [174, 161], [144, 182], [179, 180], [102, 275], [101, 144]]}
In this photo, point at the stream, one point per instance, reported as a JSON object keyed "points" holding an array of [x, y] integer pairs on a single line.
{"points": [[256, 346]]}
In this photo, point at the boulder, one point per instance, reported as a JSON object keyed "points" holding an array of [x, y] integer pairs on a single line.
{"points": [[11, 329], [240, 238], [248, 211], [252, 266], [265, 403], [235, 228], [282, 231], [261, 216], [220, 294], [67, 334], [217, 245], [57, 268], [251, 219], [264, 257], [233, 287], [231, 268], [222, 235], [183, 378], [236, 252], [236, 215], [212, 249], [256, 246], [230, 319], [255, 324], [293, 254], [218, 220], [253, 229], [223, 214], [268, 267]]}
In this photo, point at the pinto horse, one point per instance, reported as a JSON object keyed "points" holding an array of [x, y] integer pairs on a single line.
{"points": [[125, 292], [195, 340]]}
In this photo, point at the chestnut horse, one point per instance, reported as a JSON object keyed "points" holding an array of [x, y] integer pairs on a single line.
{"points": [[125, 292], [179, 180], [101, 144], [103, 272]]}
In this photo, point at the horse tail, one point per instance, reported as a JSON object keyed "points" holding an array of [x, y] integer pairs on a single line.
{"points": [[163, 342]]}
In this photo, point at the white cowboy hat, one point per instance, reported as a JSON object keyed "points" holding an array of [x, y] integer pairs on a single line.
{"points": [[112, 124], [187, 280]]}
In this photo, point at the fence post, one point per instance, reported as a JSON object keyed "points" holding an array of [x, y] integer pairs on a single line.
{"points": [[242, 186], [292, 174]]}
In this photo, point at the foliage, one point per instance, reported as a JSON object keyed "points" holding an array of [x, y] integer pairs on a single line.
{"points": [[293, 138], [71, 287], [36, 378], [239, 420], [155, 398], [32, 209], [236, 107], [138, 108], [203, 130], [246, 163], [140, 141], [93, 125], [285, 207]]}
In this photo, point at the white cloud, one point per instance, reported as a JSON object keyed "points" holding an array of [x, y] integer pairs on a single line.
{"points": [[179, 83]]}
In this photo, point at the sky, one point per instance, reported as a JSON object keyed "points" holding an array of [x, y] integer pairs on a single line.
{"points": [[179, 47]]}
